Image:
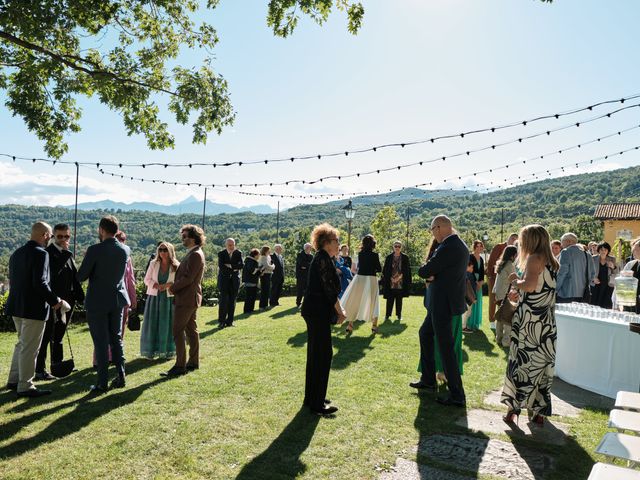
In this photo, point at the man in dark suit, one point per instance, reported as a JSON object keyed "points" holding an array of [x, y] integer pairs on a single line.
{"points": [[29, 301], [229, 268], [65, 285], [447, 270], [277, 278], [187, 291], [104, 266], [303, 260]]}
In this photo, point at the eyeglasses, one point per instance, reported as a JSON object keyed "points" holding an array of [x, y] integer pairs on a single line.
{"points": [[163, 249], [63, 237], [397, 246]]}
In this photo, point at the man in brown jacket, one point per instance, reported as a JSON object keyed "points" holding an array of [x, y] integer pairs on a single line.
{"points": [[490, 271], [187, 291]]}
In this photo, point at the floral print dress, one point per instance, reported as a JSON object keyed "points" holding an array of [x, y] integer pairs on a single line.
{"points": [[532, 354]]}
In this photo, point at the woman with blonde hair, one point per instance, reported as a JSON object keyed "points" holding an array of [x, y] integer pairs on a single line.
{"points": [[532, 353], [156, 337]]}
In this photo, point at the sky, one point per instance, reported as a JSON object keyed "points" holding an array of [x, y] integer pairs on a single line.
{"points": [[417, 69]]}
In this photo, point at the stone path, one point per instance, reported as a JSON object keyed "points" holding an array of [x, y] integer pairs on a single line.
{"points": [[521, 459]]}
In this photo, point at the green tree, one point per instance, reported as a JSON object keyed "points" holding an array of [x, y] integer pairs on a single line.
{"points": [[587, 228], [386, 227], [53, 51]]}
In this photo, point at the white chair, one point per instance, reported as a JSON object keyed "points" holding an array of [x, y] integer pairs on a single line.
{"points": [[628, 401], [620, 445], [603, 471], [625, 420]]}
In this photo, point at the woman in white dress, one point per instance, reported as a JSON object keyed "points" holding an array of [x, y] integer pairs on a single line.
{"points": [[361, 299]]}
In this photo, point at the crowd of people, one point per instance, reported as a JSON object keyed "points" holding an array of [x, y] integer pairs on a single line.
{"points": [[526, 276]]}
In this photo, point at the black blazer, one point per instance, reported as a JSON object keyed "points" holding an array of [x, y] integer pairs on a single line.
{"points": [[62, 270], [278, 273], [30, 294], [405, 268], [322, 290], [478, 267], [303, 260], [368, 263], [250, 271], [449, 267], [235, 260]]}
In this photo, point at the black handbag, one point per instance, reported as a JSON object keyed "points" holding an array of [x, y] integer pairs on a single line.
{"points": [[586, 294], [133, 322], [65, 367]]}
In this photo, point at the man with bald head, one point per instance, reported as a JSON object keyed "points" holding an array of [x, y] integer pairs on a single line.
{"points": [[446, 270], [229, 267], [29, 302]]}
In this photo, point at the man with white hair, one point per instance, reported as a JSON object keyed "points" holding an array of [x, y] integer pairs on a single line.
{"points": [[229, 268], [277, 278], [303, 260], [29, 303], [576, 271]]}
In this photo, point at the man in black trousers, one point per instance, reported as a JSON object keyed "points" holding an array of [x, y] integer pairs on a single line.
{"points": [[229, 268], [277, 278], [64, 284], [303, 260], [446, 270]]}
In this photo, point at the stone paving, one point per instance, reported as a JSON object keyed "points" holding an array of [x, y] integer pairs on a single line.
{"points": [[469, 456]]}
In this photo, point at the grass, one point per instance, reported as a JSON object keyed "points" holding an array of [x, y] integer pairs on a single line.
{"points": [[239, 416]]}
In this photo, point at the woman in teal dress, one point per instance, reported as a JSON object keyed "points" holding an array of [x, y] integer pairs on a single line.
{"points": [[475, 320], [156, 338]]}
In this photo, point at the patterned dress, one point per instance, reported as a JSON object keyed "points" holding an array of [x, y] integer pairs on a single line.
{"points": [[532, 354]]}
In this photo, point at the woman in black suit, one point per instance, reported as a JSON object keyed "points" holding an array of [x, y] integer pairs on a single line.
{"points": [[396, 279], [320, 309]]}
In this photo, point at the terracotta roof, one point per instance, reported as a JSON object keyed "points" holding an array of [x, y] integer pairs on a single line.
{"points": [[618, 211]]}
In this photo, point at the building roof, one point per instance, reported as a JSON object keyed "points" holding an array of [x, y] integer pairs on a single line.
{"points": [[618, 211]]}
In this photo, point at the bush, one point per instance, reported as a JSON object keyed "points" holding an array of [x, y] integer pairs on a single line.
{"points": [[6, 322]]}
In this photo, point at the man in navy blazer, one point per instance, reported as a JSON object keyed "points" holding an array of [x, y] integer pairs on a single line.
{"points": [[447, 267], [104, 266], [29, 302]]}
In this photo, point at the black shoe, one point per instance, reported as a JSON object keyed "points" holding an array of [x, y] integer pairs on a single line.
{"points": [[41, 376], [325, 411], [191, 368], [327, 401], [174, 372], [34, 393], [420, 385], [12, 386], [221, 325], [97, 390], [118, 382], [450, 402]]}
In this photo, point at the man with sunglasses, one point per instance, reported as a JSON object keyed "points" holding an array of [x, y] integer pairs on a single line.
{"points": [[64, 284]]}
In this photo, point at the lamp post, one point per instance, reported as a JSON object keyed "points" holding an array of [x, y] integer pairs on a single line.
{"points": [[349, 213]]}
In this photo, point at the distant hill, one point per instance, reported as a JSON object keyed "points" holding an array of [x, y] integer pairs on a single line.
{"points": [[189, 205]]}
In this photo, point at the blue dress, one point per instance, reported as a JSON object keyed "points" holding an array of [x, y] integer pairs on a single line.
{"points": [[345, 275]]}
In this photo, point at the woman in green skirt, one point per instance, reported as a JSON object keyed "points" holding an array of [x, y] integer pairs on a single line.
{"points": [[156, 338]]}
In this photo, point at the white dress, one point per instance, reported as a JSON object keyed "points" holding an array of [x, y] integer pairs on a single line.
{"points": [[361, 300]]}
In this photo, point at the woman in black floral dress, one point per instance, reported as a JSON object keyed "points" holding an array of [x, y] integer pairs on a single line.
{"points": [[533, 335]]}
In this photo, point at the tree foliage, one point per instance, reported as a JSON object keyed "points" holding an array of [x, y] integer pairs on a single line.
{"points": [[124, 52]]}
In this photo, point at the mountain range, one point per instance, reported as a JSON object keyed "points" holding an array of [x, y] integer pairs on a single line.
{"points": [[188, 205]]}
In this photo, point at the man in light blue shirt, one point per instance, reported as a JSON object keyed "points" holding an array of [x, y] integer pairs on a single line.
{"points": [[576, 270]]}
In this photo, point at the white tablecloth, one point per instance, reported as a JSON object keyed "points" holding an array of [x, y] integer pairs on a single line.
{"points": [[599, 355]]}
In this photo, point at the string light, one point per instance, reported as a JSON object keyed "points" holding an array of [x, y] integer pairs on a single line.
{"points": [[362, 150]]}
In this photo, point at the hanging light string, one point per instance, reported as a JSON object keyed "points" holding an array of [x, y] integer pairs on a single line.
{"points": [[466, 153], [428, 184], [379, 191], [352, 151]]}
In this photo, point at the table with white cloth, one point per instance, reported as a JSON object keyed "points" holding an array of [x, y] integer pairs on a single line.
{"points": [[598, 354]]}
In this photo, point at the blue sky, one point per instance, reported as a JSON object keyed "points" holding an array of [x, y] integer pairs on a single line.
{"points": [[417, 69]]}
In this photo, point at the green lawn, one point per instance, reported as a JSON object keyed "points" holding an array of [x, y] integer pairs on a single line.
{"points": [[239, 416]]}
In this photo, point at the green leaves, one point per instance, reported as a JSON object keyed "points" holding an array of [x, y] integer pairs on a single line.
{"points": [[283, 15]]}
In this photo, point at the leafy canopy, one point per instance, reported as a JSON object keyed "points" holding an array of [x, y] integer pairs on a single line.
{"points": [[125, 53]]}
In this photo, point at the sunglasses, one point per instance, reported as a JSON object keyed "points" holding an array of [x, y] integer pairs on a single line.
{"points": [[63, 237], [163, 249], [397, 246]]}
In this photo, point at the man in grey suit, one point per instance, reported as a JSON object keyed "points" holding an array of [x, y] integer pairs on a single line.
{"points": [[104, 266], [576, 271]]}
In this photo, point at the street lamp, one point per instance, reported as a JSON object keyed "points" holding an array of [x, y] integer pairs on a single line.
{"points": [[485, 236], [349, 213]]}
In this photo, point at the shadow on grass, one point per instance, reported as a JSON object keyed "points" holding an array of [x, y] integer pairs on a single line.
{"points": [[86, 410], [282, 458], [284, 313], [479, 342]]}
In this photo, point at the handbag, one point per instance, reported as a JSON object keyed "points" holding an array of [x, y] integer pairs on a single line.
{"points": [[133, 322], [586, 294], [470, 294], [65, 367], [506, 310]]}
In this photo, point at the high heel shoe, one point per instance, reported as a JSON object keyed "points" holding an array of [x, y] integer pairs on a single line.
{"points": [[349, 330], [374, 330], [511, 416], [537, 419]]}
